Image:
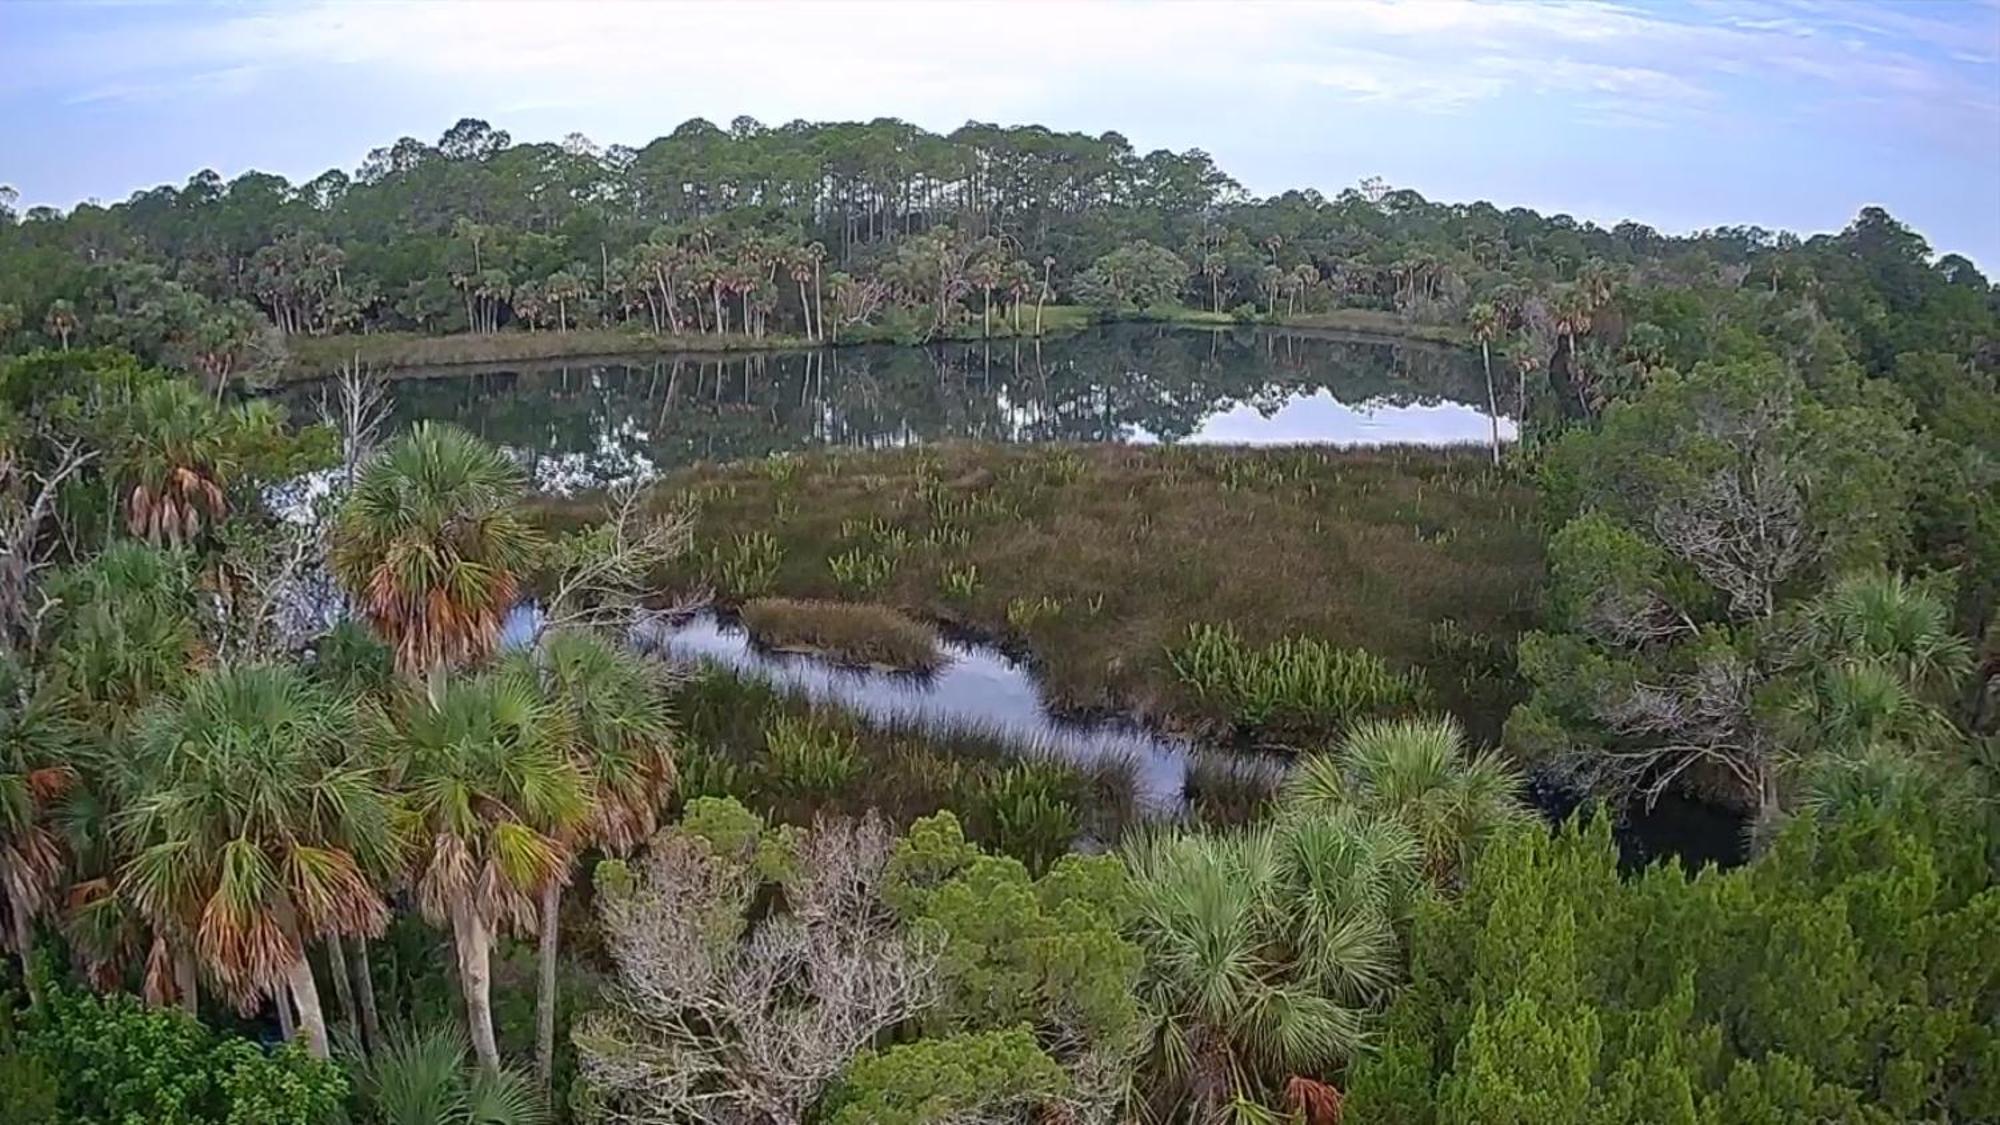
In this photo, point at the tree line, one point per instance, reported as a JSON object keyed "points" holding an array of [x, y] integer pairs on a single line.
{"points": [[812, 232]]}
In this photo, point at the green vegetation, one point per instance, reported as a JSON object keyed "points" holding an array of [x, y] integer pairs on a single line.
{"points": [[1296, 684], [1838, 978], [1744, 552], [789, 759], [1099, 561], [77, 1059]]}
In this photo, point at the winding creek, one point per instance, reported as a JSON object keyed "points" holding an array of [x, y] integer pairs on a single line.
{"points": [[982, 690]]}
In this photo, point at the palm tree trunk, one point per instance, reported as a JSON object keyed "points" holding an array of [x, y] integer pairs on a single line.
{"points": [[305, 993], [364, 993], [475, 978], [1492, 404], [819, 303], [343, 983], [805, 309], [287, 1029], [545, 1000], [187, 982], [24, 943]]}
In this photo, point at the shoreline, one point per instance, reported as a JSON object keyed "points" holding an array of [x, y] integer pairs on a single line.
{"points": [[400, 354]]}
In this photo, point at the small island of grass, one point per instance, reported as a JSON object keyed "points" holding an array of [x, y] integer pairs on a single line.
{"points": [[843, 631]]}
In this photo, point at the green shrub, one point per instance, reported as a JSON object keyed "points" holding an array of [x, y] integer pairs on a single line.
{"points": [[961, 582], [1297, 685], [116, 1062], [972, 1077], [1024, 613], [1023, 811], [860, 571]]}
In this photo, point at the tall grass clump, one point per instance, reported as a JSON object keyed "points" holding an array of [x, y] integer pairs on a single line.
{"points": [[843, 631], [809, 758], [1025, 811], [1295, 686]]}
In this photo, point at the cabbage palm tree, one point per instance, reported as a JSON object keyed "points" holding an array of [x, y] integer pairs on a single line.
{"points": [[1485, 322], [37, 751], [493, 802], [1888, 619], [250, 825], [60, 321], [431, 544], [1418, 773], [1266, 949], [609, 708], [421, 1077]]}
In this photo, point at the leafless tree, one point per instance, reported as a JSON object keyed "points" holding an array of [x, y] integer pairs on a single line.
{"points": [[603, 574], [356, 406], [27, 511], [720, 1019]]}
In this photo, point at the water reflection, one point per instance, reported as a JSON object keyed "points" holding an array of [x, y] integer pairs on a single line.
{"points": [[976, 688], [582, 424]]}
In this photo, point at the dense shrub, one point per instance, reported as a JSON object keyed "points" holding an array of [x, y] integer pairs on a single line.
{"points": [[79, 1059], [1846, 976]]}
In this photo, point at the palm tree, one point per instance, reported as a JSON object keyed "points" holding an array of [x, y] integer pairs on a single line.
{"points": [[431, 543], [1885, 618], [1213, 266], [1266, 949], [610, 709], [251, 824], [179, 459], [60, 321], [421, 1077], [1048, 270], [492, 800], [1418, 773], [37, 749], [1485, 322]]}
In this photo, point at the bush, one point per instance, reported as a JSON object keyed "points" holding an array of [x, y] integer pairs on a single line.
{"points": [[855, 634], [114, 1062]]}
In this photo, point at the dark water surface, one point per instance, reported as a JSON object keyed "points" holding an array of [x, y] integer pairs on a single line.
{"points": [[580, 424]]}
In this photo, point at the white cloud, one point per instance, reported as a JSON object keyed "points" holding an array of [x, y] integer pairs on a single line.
{"points": [[944, 62]]}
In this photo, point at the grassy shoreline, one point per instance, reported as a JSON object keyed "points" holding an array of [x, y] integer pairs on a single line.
{"points": [[1098, 562], [312, 358]]}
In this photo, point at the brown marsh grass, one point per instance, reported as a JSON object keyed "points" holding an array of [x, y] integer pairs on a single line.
{"points": [[845, 632], [1095, 560]]}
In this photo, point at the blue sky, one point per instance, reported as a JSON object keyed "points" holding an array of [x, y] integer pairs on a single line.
{"points": [[1781, 113]]}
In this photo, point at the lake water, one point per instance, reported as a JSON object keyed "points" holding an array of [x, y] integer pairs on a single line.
{"points": [[581, 424]]}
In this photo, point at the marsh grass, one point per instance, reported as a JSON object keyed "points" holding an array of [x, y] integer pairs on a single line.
{"points": [[793, 760], [1363, 549], [1229, 788], [844, 632], [1292, 687]]}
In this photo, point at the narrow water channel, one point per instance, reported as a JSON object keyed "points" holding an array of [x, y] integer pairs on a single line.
{"points": [[980, 689], [976, 689]]}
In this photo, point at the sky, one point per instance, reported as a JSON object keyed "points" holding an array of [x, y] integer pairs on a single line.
{"points": [[1788, 114]]}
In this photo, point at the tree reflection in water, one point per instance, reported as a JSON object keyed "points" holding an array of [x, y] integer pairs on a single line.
{"points": [[587, 423]]}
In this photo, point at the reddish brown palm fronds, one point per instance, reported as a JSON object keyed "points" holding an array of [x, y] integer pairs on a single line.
{"points": [[438, 626], [1317, 1102], [172, 512]]}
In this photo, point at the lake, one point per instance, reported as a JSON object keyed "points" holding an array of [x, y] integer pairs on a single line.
{"points": [[587, 423]]}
